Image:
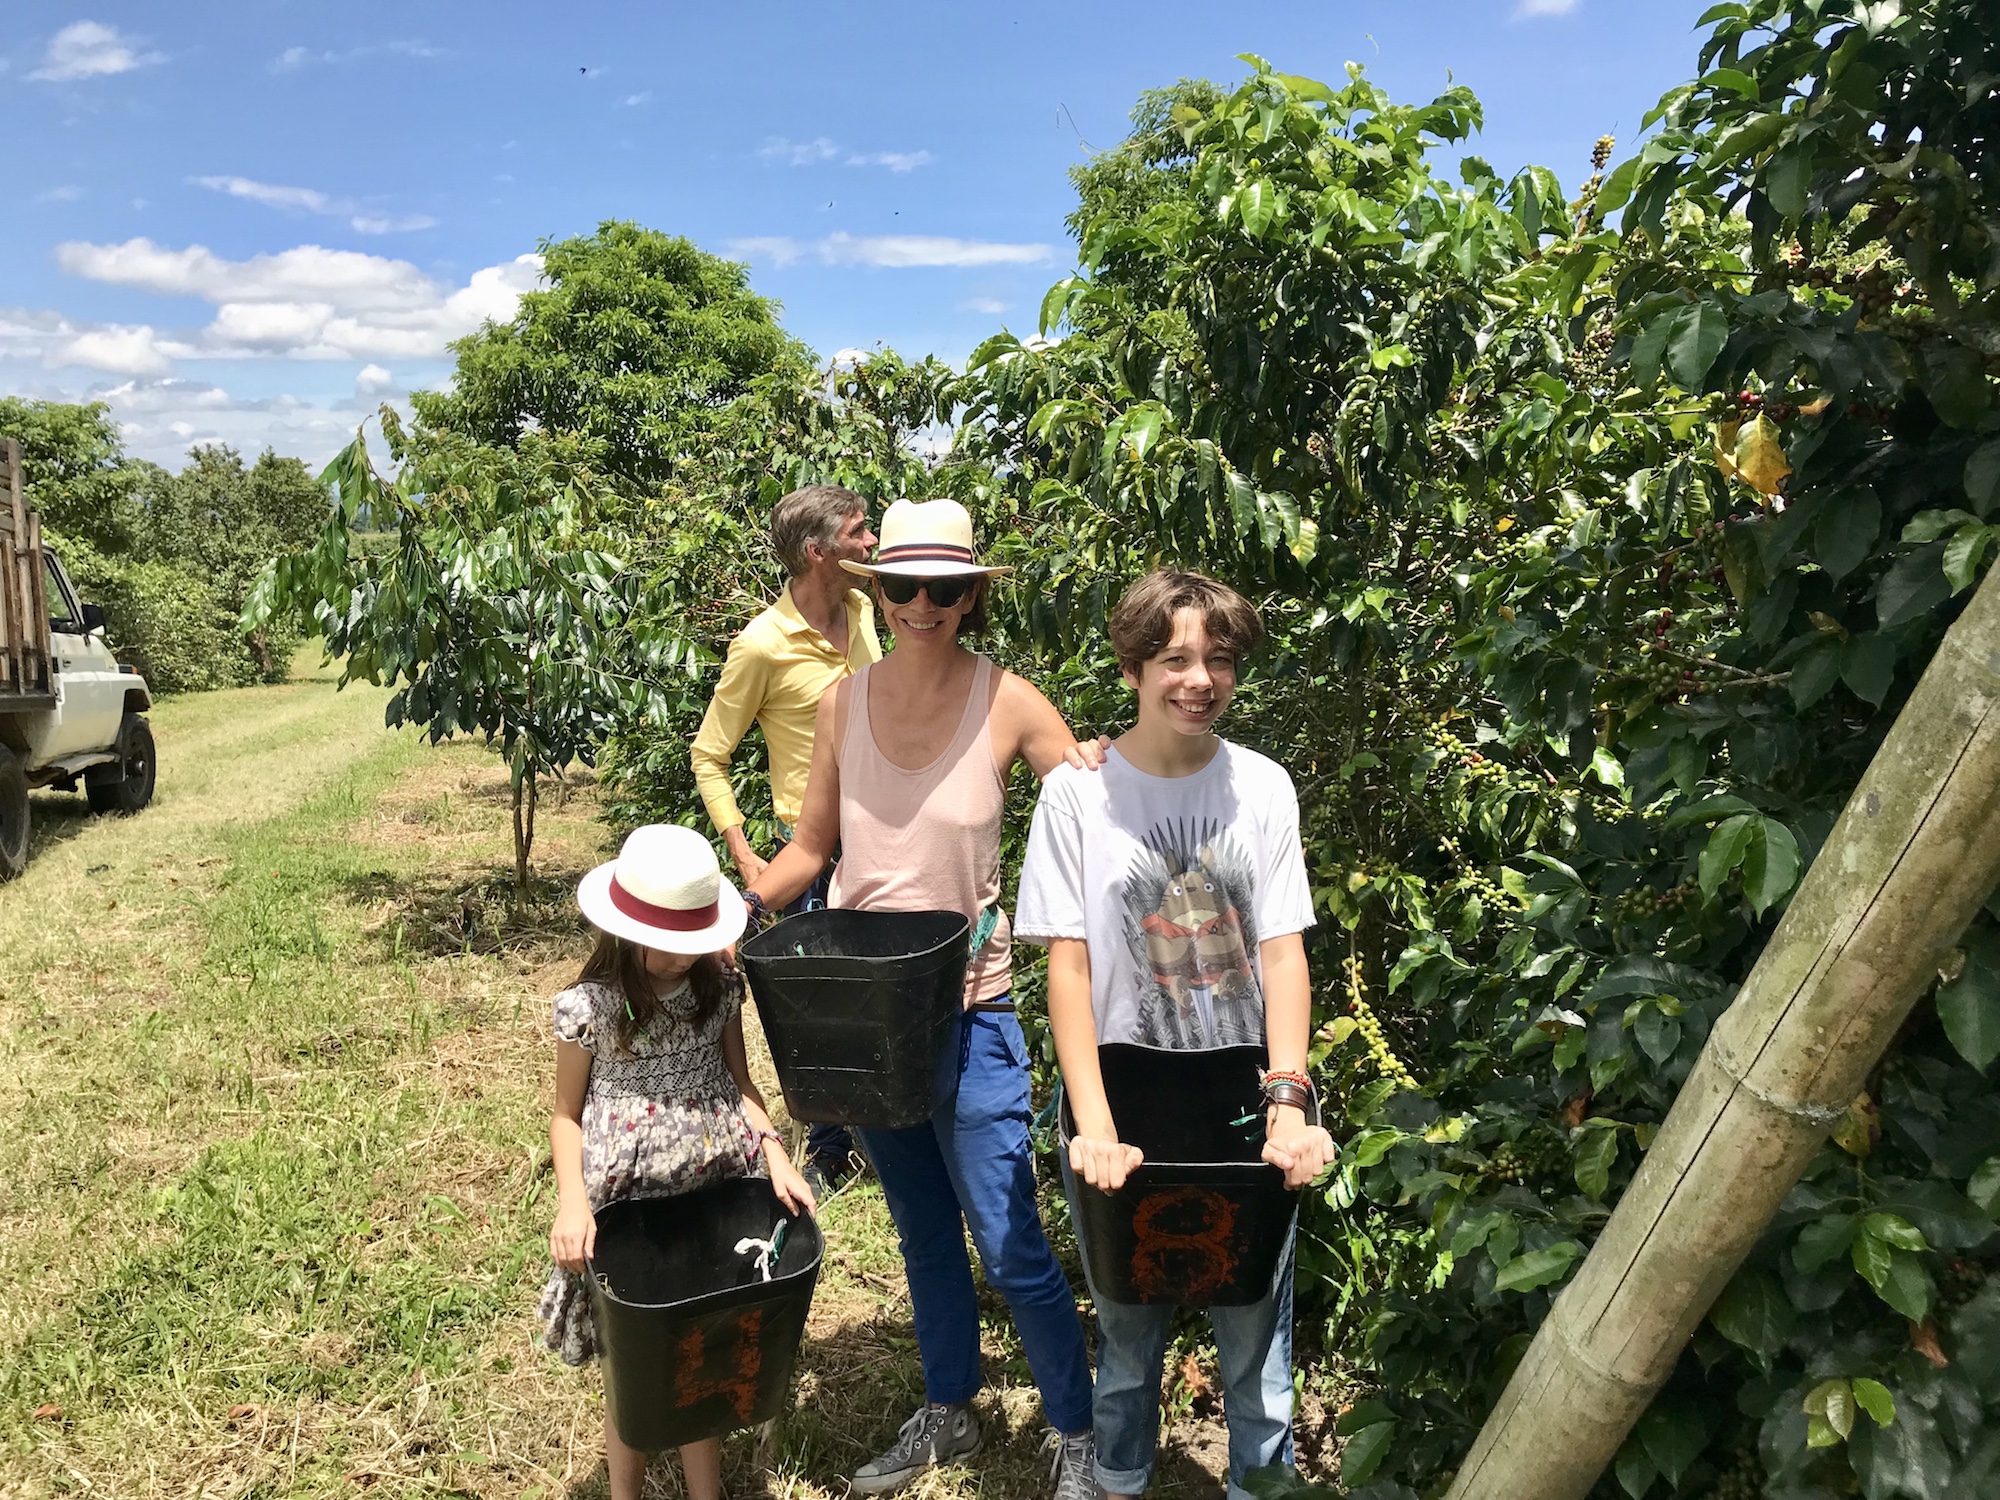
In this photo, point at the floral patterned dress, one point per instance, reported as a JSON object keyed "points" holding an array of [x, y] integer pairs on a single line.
{"points": [[661, 1117]]}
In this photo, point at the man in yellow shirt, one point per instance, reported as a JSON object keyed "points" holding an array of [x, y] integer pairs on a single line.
{"points": [[820, 630]]}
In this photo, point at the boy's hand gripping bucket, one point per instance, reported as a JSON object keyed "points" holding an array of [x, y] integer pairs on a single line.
{"points": [[1201, 1222], [862, 1009], [695, 1341]]}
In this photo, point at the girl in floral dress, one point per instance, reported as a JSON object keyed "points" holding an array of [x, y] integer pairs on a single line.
{"points": [[653, 1090]]}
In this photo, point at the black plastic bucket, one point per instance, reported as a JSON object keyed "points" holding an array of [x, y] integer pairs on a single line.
{"points": [[861, 1009], [695, 1343], [1203, 1219]]}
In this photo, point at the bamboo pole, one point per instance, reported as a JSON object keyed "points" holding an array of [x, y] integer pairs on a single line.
{"points": [[1915, 852]]}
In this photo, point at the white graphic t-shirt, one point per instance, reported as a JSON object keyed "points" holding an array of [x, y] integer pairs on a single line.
{"points": [[1173, 881]]}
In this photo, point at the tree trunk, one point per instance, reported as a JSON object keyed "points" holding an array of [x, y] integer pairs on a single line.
{"points": [[524, 830], [1915, 852]]}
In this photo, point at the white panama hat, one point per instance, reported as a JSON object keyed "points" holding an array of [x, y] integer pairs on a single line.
{"points": [[666, 891], [925, 539]]}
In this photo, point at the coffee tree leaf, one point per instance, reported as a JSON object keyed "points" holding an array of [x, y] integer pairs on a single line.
{"points": [[1969, 1006], [1873, 1397], [1674, 1433], [1537, 1268], [1724, 851]]}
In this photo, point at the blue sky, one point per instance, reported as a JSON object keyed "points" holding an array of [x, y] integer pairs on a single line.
{"points": [[253, 222]]}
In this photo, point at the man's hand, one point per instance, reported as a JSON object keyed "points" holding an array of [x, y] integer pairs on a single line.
{"points": [[1103, 1163], [1299, 1150], [573, 1239], [748, 863], [1088, 755]]}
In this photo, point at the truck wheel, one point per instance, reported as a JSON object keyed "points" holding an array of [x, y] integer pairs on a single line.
{"points": [[133, 789], [13, 814]]}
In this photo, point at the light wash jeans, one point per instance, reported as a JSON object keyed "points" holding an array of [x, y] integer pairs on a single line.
{"points": [[1253, 1345]]}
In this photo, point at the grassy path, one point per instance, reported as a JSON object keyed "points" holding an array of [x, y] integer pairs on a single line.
{"points": [[274, 1199]]}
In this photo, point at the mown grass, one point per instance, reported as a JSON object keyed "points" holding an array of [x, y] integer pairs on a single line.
{"points": [[274, 1203]]}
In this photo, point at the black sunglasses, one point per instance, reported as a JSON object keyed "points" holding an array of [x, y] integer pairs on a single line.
{"points": [[899, 588]]}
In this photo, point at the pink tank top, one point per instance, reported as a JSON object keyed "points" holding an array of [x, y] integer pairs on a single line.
{"points": [[929, 839]]}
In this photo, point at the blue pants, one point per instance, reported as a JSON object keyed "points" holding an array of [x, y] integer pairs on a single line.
{"points": [[973, 1168], [1254, 1347], [821, 1140]]}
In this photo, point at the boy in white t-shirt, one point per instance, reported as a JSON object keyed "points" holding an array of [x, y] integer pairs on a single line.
{"points": [[1170, 889]]}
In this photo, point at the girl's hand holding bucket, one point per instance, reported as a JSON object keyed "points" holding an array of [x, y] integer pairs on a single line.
{"points": [[786, 1180], [573, 1238]]}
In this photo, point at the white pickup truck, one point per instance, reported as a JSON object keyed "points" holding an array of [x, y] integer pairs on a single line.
{"points": [[70, 715]]}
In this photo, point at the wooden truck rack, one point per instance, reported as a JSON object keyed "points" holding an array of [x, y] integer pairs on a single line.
{"points": [[24, 609]]}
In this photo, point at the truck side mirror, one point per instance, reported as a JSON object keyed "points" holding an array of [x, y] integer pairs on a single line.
{"points": [[93, 618]]}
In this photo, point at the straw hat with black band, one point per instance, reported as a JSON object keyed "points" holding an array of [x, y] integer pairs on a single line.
{"points": [[925, 539], [666, 891]]}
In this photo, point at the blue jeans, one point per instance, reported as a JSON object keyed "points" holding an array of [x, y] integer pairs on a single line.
{"points": [[973, 1168], [821, 1140], [1254, 1347]]}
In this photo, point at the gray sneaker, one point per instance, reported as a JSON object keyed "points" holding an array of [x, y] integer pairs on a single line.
{"points": [[935, 1435], [1075, 1468]]}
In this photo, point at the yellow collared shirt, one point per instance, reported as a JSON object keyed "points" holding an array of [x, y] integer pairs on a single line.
{"points": [[778, 669]]}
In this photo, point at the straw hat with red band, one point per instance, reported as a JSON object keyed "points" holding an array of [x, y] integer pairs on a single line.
{"points": [[925, 539], [664, 890]]}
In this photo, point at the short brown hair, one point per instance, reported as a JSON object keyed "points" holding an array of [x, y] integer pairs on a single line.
{"points": [[1142, 625], [813, 514]]}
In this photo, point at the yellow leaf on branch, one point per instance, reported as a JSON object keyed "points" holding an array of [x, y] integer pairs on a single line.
{"points": [[1725, 447], [1760, 456]]}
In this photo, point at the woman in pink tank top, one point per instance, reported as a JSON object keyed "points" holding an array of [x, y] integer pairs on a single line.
{"points": [[909, 775]]}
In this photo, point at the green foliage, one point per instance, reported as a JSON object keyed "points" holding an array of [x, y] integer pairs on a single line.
{"points": [[170, 557], [76, 470], [170, 622], [635, 338], [1598, 564], [499, 612], [221, 523]]}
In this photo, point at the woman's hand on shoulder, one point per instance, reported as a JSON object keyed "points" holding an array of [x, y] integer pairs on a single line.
{"points": [[1088, 755], [573, 1238], [787, 1181]]}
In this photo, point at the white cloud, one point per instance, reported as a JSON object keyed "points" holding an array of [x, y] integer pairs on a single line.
{"points": [[1530, 8], [90, 49], [633, 101], [308, 302], [819, 149], [991, 306], [890, 250], [313, 201], [118, 349], [67, 193], [799, 153], [294, 58], [169, 396], [372, 380], [895, 161], [390, 223]]}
